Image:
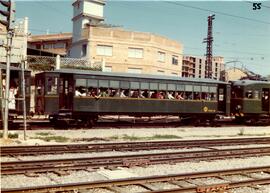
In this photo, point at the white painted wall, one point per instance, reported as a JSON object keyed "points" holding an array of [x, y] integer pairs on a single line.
{"points": [[93, 8], [83, 12], [19, 44]]}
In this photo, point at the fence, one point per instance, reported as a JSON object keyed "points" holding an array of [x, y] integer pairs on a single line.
{"points": [[47, 63]]}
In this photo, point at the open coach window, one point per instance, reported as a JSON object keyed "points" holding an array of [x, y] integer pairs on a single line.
{"points": [[52, 85]]}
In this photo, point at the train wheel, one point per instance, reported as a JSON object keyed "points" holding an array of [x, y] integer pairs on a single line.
{"points": [[89, 123]]}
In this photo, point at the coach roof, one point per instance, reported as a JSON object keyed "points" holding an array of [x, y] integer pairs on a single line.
{"points": [[143, 76], [249, 82], [3, 66]]}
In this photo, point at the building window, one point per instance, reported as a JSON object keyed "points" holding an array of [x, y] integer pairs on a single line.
{"points": [[59, 45], [134, 70], [160, 72], [175, 60], [161, 56], [84, 50], [38, 46], [103, 50], [107, 69], [47, 46], [135, 52], [174, 74], [200, 60]]}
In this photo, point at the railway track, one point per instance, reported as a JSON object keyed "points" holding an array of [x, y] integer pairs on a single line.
{"points": [[126, 122], [131, 146], [180, 182], [58, 165]]}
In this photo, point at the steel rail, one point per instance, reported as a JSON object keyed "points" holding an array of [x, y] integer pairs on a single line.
{"points": [[129, 146], [153, 179], [54, 165]]}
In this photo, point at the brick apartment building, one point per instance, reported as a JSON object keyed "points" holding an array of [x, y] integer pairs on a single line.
{"points": [[195, 67]]}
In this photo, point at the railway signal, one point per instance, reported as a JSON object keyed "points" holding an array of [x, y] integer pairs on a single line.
{"points": [[8, 14]]}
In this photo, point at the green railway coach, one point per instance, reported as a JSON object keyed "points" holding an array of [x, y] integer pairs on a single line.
{"points": [[77, 96]]}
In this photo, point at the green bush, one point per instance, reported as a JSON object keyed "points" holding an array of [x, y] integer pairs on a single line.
{"points": [[11, 135]]}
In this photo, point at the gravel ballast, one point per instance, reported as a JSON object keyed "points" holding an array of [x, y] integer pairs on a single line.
{"points": [[110, 136]]}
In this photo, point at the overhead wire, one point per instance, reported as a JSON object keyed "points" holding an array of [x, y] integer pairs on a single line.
{"points": [[188, 6], [251, 2], [218, 12]]}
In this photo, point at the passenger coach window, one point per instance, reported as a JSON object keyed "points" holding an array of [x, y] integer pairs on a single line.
{"points": [[134, 85], [114, 84], [124, 84], [171, 87], [135, 90], [221, 95], [81, 82], [188, 95], [205, 93], [181, 88], [249, 94], [237, 92], [103, 83], [144, 85], [52, 84], [92, 83], [197, 94], [256, 94], [189, 92], [145, 89], [153, 86], [213, 91], [39, 88], [80, 87], [162, 86]]}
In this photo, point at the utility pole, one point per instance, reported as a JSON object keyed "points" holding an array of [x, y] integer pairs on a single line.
{"points": [[209, 41], [9, 14], [23, 66]]}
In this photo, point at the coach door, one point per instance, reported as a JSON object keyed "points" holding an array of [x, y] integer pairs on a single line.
{"points": [[265, 99], [221, 98], [66, 91]]}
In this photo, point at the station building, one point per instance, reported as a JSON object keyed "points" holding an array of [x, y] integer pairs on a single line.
{"points": [[54, 43], [129, 51], [121, 50]]}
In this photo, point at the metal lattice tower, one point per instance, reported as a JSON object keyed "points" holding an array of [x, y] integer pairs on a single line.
{"points": [[209, 41]]}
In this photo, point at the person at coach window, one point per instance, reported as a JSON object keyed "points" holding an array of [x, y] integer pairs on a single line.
{"points": [[169, 95], [103, 92], [145, 94], [179, 96]]}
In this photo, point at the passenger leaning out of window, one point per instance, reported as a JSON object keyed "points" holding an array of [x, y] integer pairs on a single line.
{"points": [[179, 95], [169, 95], [120, 93], [80, 92], [154, 95], [161, 95], [92, 92], [145, 94], [103, 92], [135, 94]]}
